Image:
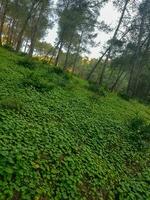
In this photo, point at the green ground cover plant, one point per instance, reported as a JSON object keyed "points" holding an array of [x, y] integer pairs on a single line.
{"points": [[61, 140]]}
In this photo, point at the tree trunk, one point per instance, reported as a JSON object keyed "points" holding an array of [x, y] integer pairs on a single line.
{"points": [[36, 27], [110, 47], [96, 65], [68, 51], [53, 53], [117, 80], [2, 19], [20, 35], [141, 64], [58, 55], [10, 35], [100, 82], [67, 56], [132, 78], [26, 45], [77, 54]]}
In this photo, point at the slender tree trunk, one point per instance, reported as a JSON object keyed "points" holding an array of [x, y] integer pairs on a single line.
{"points": [[116, 81], [11, 31], [132, 78], [54, 51], [67, 56], [34, 32], [20, 35], [26, 45], [120, 81], [141, 64], [13, 25], [96, 65], [32, 44], [110, 48], [2, 19], [14, 36], [68, 51], [58, 55], [112, 70], [77, 54], [112, 43]]}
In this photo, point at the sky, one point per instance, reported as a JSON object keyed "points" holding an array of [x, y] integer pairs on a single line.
{"points": [[110, 15]]}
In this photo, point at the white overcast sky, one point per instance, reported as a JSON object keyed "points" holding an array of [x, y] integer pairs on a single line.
{"points": [[109, 14]]}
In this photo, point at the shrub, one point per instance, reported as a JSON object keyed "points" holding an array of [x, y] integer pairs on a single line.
{"points": [[124, 96], [140, 132], [11, 103], [8, 47], [27, 63], [37, 82], [136, 123], [57, 70], [22, 54], [102, 91]]}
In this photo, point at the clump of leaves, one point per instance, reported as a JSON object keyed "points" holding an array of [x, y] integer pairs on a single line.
{"points": [[57, 70], [102, 91], [136, 123], [124, 96], [38, 83], [22, 54], [140, 132], [27, 63], [11, 103], [8, 47]]}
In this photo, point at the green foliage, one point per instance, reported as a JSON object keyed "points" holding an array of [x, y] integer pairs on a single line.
{"points": [[140, 137], [102, 91], [8, 47], [11, 103], [124, 96], [27, 63], [57, 143], [37, 83]]}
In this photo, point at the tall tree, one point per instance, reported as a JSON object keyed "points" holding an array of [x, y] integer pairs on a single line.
{"points": [[108, 51], [4, 5], [32, 8]]}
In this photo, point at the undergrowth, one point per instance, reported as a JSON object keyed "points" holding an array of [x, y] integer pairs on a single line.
{"points": [[60, 139]]}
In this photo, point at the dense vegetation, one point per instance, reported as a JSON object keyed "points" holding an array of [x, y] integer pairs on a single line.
{"points": [[59, 139]]}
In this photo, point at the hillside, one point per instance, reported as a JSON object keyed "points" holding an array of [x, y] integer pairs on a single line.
{"points": [[60, 140]]}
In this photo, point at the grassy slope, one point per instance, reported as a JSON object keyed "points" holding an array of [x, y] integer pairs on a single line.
{"points": [[58, 140]]}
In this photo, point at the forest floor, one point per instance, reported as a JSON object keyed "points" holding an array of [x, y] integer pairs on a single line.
{"points": [[60, 140]]}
